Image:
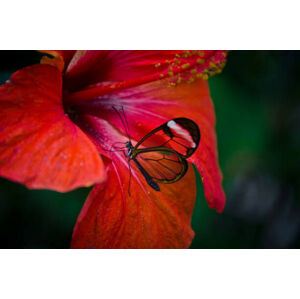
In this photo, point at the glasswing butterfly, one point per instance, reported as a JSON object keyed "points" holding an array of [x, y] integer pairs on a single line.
{"points": [[161, 154]]}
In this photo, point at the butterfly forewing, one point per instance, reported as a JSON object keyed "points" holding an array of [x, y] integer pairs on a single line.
{"points": [[164, 165], [179, 134]]}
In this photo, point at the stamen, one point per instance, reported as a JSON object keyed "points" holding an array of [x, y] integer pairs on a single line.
{"points": [[186, 66]]}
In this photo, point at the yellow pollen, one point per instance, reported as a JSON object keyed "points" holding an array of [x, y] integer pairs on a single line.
{"points": [[172, 84], [186, 54], [193, 71], [158, 64], [171, 74], [201, 53], [161, 75], [200, 61], [185, 66]]}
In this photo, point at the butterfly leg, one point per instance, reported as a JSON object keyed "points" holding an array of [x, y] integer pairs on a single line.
{"points": [[129, 166], [114, 148]]}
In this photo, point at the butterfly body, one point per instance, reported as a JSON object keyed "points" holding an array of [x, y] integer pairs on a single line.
{"points": [[164, 161], [129, 155]]}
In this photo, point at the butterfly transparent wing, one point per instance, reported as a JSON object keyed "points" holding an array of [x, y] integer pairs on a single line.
{"points": [[164, 165], [179, 134]]}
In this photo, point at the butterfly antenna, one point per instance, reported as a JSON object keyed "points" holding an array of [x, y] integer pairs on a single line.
{"points": [[126, 122], [123, 122]]}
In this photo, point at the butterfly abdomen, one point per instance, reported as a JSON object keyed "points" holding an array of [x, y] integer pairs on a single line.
{"points": [[153, 185]]}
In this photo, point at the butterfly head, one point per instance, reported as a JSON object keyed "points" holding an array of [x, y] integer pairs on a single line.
{"points": [[129, 146]]}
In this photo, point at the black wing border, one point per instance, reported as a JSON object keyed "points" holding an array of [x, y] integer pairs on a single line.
{"points": [[186, 123]]}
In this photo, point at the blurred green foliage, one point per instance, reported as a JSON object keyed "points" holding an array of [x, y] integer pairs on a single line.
{"points": [[258, 116]]}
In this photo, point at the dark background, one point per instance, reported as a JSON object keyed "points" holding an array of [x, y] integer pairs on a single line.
{"points": [[258, 119]]}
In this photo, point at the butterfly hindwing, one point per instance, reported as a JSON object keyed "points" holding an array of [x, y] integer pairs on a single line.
{"points": [[162, 164]]}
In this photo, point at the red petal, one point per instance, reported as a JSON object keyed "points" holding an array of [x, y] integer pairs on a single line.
{"points": [[150, 105], [110, 218], [137, 67], [99, 66], [39, 145]]}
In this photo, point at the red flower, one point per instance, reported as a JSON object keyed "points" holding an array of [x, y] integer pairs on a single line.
{"points": [[57, 119]]}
